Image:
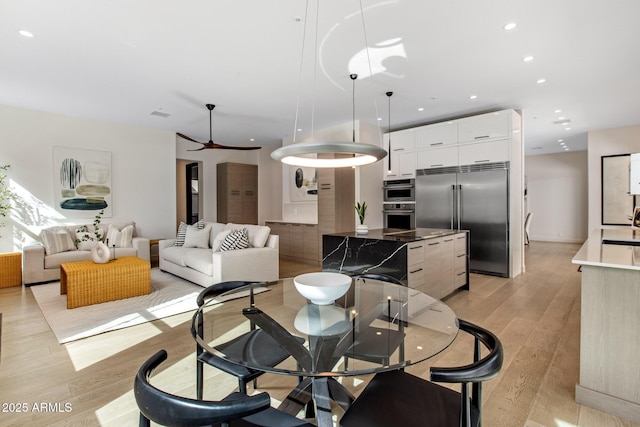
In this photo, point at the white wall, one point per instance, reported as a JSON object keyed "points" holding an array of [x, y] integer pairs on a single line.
{"points": [[143, 162], [600, 143], [557, 196]]}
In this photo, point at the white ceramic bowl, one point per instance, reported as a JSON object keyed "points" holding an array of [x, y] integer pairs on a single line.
{"points": [[322, 287]]}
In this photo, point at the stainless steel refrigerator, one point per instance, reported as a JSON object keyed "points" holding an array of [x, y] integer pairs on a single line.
{"points": [[474, 198]]}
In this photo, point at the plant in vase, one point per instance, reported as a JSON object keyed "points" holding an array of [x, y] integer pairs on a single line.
{"points": [[94, 240], [361, 209]]}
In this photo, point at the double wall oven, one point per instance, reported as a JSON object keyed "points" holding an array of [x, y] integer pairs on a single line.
{"points": [[399, 204]]}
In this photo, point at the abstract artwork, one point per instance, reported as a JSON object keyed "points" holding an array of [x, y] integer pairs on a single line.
{"points": [[303, 184], [82, 181]]}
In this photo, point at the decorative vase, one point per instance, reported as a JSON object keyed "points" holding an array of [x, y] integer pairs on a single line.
{"points": [[100, 253], [362, 229]]}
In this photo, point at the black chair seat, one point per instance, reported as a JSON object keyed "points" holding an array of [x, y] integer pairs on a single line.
{"points": [[237, 409], [397, 398]]}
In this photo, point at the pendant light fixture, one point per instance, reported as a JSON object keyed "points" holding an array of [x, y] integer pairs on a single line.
{"points": [[349, 153], [389, 148]]}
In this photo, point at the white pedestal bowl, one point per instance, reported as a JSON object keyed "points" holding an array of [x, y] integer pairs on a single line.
{"points": [[322, 287]]}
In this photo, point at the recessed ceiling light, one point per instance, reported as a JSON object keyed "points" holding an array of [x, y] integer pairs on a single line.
{"points": [[510, 26], [299, 130], [541, 81], [558, 111], [25, 33], [562, 118], [566, 148], [420, 109], [473, 97], [527, 58], [567, 128], [252, 139], [563, 144], [560, 140], [379, 118]]}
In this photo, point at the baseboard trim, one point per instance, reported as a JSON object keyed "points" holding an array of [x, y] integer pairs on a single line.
{"points": [[607, 403]]}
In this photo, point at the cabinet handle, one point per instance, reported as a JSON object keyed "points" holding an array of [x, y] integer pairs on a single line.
{"points": [[461, 255], [433, 166], [432, 244], [460, 274], [407, 174], [482, 161], [450, 240], [436, 143], [461, 237], [415, 271], [398, 149], [481, 137], [416, 247]]}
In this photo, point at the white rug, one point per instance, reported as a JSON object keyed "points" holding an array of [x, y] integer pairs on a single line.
{"points": [[170, 295]]}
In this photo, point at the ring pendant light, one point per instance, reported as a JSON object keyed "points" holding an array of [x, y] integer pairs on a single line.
{"points": [[349, 154]]}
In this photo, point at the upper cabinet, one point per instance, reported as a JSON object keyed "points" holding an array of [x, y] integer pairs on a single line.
{"points": [[402, 155], [436, 136], [484, 127]]}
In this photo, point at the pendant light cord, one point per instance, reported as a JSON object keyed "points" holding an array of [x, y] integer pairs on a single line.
{"points": [[389, 155], [353, 103], [366, 47], [304, 36]]}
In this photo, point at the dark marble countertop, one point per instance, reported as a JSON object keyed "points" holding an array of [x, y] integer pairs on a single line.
{"points": [[399, 235]]}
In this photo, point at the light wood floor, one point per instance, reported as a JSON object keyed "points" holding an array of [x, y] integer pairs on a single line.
{"points": [[536, 315]]}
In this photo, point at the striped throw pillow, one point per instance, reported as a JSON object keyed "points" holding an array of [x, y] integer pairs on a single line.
{"points": [[237, 239], [182, 231], [56, 240]]}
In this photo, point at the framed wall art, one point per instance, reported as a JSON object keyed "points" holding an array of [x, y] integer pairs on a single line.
{"points": [[82, 182]]}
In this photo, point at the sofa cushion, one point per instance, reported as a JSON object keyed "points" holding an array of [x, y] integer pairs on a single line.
{"points": [[258, 234], [200, 260], [196, 238], [216, 228], [56, 240], [215, 246], [237, 239], [182, 231], [175, 254], [54, 261], [120, 238]]}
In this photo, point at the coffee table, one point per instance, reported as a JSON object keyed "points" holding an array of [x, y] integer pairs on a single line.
{"points": [[86, 282]]}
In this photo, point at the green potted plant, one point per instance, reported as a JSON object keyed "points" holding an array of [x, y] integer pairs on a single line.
{"points": [[6, 195], [361, 209]]}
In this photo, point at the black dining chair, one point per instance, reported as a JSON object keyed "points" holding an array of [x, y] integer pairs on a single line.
{"points": [[399, 398], [268, 352], [367, 345], [235, 410]]}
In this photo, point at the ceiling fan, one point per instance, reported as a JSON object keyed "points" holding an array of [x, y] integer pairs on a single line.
{"points": [[212, 144]]}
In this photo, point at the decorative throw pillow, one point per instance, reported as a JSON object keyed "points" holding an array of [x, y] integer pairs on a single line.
{"points": [[217, 241], [56, 240], [237, 239], [196, 238], [182, 231], [120, 238]]}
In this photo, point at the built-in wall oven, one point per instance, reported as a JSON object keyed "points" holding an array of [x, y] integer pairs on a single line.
{"points": [[399, 215], [400, 190]]}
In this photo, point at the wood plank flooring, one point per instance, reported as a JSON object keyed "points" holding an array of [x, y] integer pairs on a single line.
{"points": [[536, 315]]}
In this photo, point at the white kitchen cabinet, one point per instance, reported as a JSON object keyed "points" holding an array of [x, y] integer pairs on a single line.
{"points": [[402, 155], [436, 136], [415, 264], [439, 158], [485, 126], [484, 152]]}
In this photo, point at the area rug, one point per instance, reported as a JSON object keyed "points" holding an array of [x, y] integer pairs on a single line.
{"points": [[170, 295]]}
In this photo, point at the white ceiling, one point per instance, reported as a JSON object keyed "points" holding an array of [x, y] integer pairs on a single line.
{"points": [[120, 61]]}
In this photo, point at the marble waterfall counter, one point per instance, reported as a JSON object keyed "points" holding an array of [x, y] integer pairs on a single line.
{"points": [[610, 323], [434, 261]]}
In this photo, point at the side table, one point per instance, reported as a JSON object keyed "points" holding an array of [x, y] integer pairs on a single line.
{"points": [[10, 269]]}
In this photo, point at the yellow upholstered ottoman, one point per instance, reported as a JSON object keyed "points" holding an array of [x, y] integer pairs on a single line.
{"points": [[86, 282], [10, 269]]}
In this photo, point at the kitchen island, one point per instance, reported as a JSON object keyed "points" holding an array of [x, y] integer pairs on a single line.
{"points": [[433, 261], [610, 322]]}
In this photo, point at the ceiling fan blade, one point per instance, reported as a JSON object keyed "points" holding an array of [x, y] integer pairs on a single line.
{"points": [[198, 149], [229, 147], [181, 135]]}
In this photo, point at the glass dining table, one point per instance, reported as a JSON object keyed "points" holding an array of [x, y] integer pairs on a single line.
{"points": [[374, 327]]}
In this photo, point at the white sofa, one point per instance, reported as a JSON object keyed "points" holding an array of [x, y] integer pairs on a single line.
{"points": [[38, 266], [206, 266]]}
